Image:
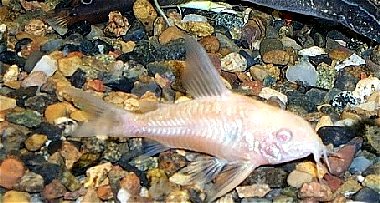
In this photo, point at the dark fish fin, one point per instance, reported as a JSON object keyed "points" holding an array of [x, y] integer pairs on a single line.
{"points": [[109, 119], [229, 178], [59, 21], [200, 77], [201, 171], [152, 147]]}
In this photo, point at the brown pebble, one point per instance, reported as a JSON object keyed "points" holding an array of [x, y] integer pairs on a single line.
{"points": [[91, 197], [339, 53], [210, 43], [332, 181], [11, 171], [131, 183], [96, 85], [68, 65], [54, 190], [35, 142], [57, 110], [170, 34], [35, 78], [104, 192], [277, 57], [341, 160]]}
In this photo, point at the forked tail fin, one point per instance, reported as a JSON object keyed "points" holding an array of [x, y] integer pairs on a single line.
{"points": [[106, 119]]}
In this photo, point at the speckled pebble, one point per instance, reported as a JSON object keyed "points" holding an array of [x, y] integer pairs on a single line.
{"points": [[234, 62], [26, 118], [372, 181], [31, 182], [70, 181], [348, 188]]}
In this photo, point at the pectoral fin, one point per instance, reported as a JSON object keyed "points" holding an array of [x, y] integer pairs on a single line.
{"points": [[228, 179], [199, 172]]}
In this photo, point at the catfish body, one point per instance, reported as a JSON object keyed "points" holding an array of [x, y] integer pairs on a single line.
{"points": [[239, 132]]}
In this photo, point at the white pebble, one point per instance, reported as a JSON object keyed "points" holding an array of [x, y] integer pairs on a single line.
{"points": [[46, 64], [303, 71], [353, 60], [234, 62]]}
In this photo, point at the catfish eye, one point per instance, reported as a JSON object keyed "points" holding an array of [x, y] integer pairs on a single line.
{"points": [[284, 135]]}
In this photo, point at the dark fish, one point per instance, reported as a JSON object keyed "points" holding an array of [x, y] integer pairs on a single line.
{"points": [[95, 12], [361, 16]]}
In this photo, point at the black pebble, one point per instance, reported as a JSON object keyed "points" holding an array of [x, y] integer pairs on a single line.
{"points": [[86, 47], [135, 33], [345, 81], [54, 146], [37, 163], [81, 27], [22, 94], [53, 132], [367, 195], [118, 83], [20, 44], [78, 78], [11, 58], [140, 88], [251, 61], [337, 135]]}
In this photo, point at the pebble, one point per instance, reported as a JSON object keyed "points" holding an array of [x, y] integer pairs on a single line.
{"points": [[35, 142], [317, 191], [372, 136], [7, 103], [324, 121], [14, 196], [341, 160], [255, 190], [372, 181], [169, 34], [348, 188], [277, 57], [359, 165], [269, 44], [303, 71], [297, 178], [345, 81], [332, 181], [104, 192], [267, 93], [54, 190], [31, 182], [70, 153], [11, 170], [70, 181], [140, 88], [353, 60], [11, 74], [312, 51], [312, 169], [234, 62], [366, 195], [131, 183], [199, 28], [91, 196], [36, 78], [117, 25], [145, 13], [97, 175], [210, 43], [47, 64], [274, 177], [57, 110], [365, 87], [336, 135], [26, 118], [68, 65]]}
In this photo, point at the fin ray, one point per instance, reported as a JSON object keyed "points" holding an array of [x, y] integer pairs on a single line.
{"points": [[200, 77]]}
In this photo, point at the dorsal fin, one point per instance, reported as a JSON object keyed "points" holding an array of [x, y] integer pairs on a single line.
{"points": [[200, 77]]}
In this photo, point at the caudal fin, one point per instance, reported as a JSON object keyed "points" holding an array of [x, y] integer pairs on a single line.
{"points": [[105, 118]]}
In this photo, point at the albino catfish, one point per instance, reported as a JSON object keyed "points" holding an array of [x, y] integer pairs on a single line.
{"points": [[240, 133]]}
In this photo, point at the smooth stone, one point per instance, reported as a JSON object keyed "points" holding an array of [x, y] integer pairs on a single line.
{"points": [[297, 178]]}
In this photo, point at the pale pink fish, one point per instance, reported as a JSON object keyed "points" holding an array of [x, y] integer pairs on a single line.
{"points": [[239, 132]]}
